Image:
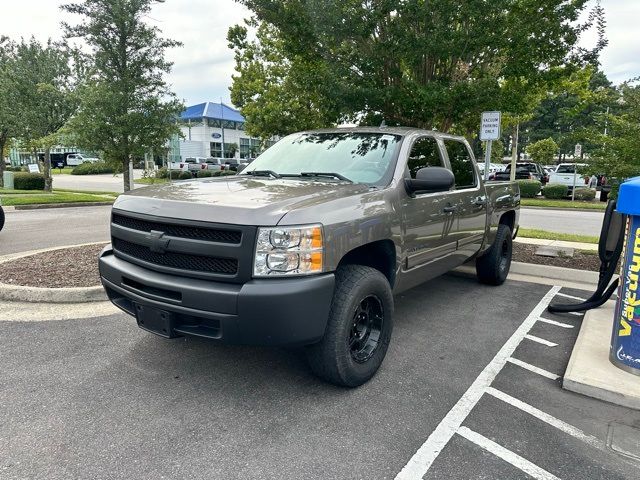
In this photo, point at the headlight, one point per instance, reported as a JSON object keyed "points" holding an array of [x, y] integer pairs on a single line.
{"points": [[288, 251]]}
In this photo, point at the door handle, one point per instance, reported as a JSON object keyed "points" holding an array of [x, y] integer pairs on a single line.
{"points": [[480, 202], [450, 209]]}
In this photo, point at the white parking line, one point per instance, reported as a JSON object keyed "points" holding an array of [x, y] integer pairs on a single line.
{"points": [[577, 314], [533, 368], [553, 322], [421, 461], [545, 417], [506, 455], [571, 296], [533, 338]]}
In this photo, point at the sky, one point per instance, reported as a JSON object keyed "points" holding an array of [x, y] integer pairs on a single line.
{"points": [[204, 65]]}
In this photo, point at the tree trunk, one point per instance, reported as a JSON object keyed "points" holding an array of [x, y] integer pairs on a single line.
{"points": [[125, 173], [3, 142], [47, 170]]}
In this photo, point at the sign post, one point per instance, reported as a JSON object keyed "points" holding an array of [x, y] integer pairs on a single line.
{"points": [[489, 131], [576, 153]]}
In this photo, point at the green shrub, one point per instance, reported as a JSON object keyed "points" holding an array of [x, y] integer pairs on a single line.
{"points": [[96, 168], [224, 173], [529, 188], [184, 175], [162, 173], [28, 181], [555, 191], [205, 173], [585, 194], [16, 169]]}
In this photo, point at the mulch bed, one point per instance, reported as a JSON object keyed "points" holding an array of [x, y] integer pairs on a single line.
{"points": [[523, 252], [72, 267], [78, 266]]}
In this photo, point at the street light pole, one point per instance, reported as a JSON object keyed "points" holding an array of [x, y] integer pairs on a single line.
{"points": [[514, 154]]}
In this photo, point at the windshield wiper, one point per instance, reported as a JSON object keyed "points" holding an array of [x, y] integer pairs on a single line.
{"points": [[326, 174], [263, 173]]}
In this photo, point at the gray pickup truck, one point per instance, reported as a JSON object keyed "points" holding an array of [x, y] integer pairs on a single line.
{"points": [[307, 246]]}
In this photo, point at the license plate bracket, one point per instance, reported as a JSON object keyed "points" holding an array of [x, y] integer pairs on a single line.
{"points": [[156, 321]]}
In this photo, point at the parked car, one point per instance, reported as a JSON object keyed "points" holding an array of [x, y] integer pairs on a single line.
{"points": [[524, 171], [308, 245], [566, 175], [75, 159], [212, 163], [231, 164]]}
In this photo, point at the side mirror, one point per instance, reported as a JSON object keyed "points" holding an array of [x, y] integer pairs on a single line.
{"points": [[430, 179]]}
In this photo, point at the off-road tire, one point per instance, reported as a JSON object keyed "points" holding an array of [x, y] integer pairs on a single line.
{"points": [[333, 359], [1, 218], [493, 266]]}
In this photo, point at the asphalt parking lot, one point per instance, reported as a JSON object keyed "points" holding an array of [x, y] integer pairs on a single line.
{"points": [[470, 388]]}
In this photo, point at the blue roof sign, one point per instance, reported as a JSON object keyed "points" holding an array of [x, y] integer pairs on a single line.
{"points": [[217, 111]]}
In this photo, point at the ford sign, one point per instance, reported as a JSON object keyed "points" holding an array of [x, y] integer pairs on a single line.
{"points": [[216, 135]]}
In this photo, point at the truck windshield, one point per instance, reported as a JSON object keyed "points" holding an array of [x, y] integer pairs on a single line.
{"points": [[362, 157]]}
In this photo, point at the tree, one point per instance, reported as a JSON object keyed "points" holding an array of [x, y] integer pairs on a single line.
{"points": [[46, 98], [10, 119], [432, 64], [497, 151], [126, 106], [619, 153], [543, 151]]}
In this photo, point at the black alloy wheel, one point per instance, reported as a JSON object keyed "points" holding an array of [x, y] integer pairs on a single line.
{"points": [[368, 320]]}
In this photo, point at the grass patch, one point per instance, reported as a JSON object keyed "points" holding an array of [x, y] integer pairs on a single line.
{"points": [[151, 181], [64, 171], [543, 202], [41, 198], [88, 192], [20, 192], [567, 237]]}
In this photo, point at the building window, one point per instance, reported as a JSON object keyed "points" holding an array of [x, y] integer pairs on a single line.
{"points": [[213, 122], [216, 149]]}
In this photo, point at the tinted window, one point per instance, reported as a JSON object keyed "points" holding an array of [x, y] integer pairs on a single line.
{"points": [[565, 169], [461, 164], [363, 157], [424, 153]]}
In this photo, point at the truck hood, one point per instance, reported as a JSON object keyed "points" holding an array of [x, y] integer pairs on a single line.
{"points": [[238, 200]]}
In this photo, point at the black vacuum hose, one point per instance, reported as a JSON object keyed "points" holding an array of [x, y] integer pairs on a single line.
{"points": [[609, 250]]}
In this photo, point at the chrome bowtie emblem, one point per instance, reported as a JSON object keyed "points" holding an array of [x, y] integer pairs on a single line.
{"points": [[157, 242]]}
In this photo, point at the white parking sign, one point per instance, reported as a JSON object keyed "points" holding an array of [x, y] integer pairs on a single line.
{"points": [[490, 126]]}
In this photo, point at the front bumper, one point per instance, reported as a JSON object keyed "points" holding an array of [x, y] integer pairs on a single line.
{"points": [[276, 312]]}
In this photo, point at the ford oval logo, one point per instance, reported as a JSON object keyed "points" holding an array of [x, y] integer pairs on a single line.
{"points": [[216, 135]]}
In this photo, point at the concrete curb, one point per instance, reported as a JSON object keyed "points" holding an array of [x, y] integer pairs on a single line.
{"points": [[18, 293], [40, 206], [565, 209], [558, 274], [590, 372]]}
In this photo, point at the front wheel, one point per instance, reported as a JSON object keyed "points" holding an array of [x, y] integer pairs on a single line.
{"points": [[359, 328], [493, 266], [1, 218]]}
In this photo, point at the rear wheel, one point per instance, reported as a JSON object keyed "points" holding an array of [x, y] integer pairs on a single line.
{"points": [[493, 267], [359, 328], [1, 218]]}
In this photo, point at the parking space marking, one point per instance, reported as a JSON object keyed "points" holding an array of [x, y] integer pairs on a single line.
{"points": [[545, 417], [533, 338], [577, 314], [421, 461], [506, 455], [533, 368], [572, 297], [553, 322]]}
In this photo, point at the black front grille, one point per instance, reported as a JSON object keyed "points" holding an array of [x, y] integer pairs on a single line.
{"points": [[181, 231], [224, 266]]}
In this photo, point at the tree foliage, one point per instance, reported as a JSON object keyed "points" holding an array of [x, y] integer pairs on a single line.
{"points": [[127, 107], [10, 120], [543, 151], [434, 64], [619, 153]]}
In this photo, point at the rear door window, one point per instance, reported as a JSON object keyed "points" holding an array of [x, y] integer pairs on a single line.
{"points": [[424, 153], [461, 164]]}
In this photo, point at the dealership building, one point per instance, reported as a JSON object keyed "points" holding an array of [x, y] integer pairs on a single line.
{"points": [[215, 130]]}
